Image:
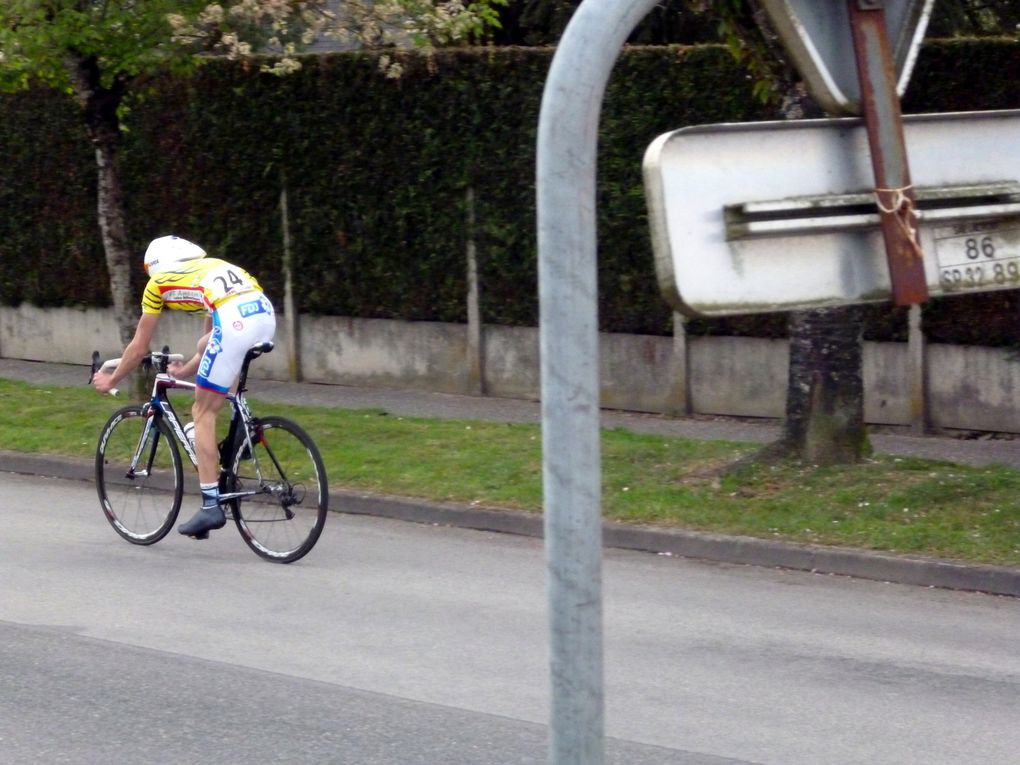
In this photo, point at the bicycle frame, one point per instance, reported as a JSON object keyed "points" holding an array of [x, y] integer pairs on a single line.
{"points": [[160, 406], [270, 460]]}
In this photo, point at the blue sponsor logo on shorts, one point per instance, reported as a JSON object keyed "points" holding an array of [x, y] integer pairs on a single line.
{"points": [[255, 306], [212, 350]]}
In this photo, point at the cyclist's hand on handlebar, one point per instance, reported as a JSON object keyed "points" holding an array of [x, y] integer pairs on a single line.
{"points": [[181, 369], [103, 382]]}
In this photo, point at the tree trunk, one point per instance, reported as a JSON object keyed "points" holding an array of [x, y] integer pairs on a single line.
{"points": [[825, 393], [100, 105], [824, 422]]}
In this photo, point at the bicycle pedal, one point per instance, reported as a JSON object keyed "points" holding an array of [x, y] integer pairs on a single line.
{"points": [[200, 535]]}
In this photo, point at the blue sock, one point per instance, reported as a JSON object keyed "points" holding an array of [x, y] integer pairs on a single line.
{"points": [[210, 494]]}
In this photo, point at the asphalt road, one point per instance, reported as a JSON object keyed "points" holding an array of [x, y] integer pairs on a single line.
{"points": [[402, 643]]}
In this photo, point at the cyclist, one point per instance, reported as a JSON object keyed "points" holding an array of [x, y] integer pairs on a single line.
{"points": [[237, 316]]}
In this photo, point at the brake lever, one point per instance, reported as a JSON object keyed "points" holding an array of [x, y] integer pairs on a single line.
{"points": [[97, 365]]}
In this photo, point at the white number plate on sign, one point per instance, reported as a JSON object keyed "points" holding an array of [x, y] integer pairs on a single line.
{"points": [[977, 255]]}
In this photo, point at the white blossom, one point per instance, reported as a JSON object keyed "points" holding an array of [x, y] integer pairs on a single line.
{"points": [[238, 28]]}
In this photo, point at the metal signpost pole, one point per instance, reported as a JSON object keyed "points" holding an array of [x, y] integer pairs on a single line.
{"points": [[566, 162], [880, 103]]}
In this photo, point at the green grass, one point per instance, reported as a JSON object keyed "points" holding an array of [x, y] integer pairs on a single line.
{"points": [[903, 505]]}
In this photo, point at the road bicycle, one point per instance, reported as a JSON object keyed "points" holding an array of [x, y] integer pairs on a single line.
{"points": [[272, 480]]}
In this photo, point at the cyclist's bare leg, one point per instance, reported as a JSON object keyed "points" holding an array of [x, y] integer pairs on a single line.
{"points": [[204, 411]]}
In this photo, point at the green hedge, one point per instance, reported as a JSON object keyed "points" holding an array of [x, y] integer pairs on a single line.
{"points": [[377, 171], [50, 252]]}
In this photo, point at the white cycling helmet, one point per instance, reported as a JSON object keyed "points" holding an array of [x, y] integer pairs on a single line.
{"points": [[168, 251]]}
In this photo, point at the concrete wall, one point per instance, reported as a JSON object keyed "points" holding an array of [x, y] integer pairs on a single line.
{"points": [[967, 387], [69, 335], [738, 376], [368, 352], [974, 388]]}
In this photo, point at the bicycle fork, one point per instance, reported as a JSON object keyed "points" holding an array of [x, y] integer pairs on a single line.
{"points": [[147, 431]]}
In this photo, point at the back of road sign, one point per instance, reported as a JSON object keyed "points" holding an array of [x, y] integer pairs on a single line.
{"points": [[776, 216], [817, 35]]}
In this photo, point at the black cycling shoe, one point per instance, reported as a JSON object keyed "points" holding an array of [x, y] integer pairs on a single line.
{"points": [[205, 520]]}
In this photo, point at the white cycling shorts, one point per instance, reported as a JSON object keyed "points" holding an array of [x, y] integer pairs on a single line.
{"points": [[238, 324]]}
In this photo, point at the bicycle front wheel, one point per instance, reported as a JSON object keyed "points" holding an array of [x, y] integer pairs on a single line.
{"points": [[140, 482], [285, 515]]}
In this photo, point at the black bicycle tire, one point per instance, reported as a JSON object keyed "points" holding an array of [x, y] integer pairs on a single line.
{"points": [[251, 539], [101, 484]]}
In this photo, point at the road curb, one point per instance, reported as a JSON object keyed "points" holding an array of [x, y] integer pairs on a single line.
{"points": [[750, 551]]}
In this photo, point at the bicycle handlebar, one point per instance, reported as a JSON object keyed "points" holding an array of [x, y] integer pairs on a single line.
{"points": [[158, 358], [98, 365]]}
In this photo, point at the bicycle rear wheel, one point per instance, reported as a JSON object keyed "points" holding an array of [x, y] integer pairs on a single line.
{"points": [[141, 502], [284, 519]]}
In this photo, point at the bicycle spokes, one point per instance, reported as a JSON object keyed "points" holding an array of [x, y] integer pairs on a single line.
{"points": [[281, 486], [138, 476]]}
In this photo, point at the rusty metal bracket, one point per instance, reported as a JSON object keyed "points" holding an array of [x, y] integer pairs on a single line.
{"points": [[884, 121]]}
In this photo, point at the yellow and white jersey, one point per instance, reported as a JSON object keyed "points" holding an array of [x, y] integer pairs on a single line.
{"points": [[197, 286]]}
